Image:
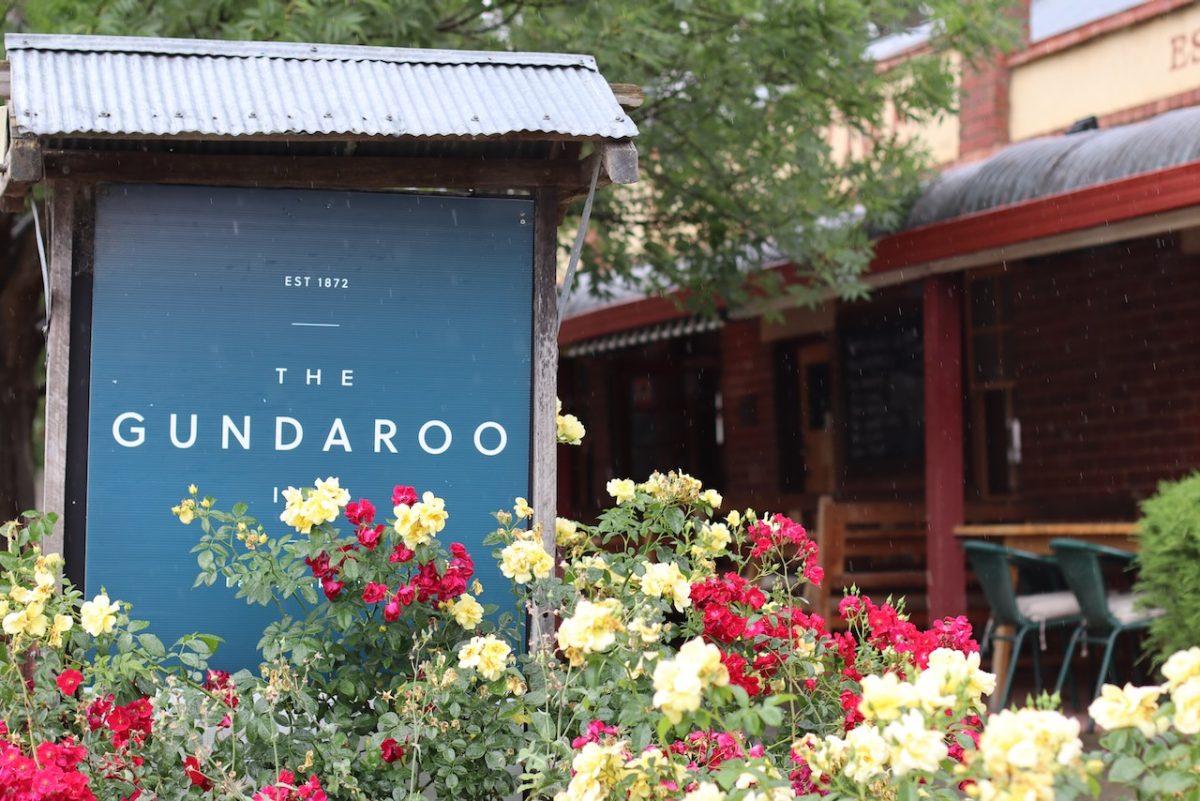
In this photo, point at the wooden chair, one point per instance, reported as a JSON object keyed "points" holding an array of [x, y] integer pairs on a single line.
{"points": [[877, 547]]}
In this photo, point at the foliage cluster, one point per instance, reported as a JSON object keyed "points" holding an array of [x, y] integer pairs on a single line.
{"points": [[669, 676], [1169, 563], [750, 106]]}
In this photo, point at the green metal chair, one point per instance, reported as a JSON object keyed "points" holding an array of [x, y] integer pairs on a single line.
{"points": [[1022, 613], [1106, 616]]}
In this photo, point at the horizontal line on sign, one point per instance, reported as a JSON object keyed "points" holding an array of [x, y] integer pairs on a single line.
{"points": [[319, 325]]}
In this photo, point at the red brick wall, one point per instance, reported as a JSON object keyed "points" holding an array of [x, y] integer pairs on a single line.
{"points": [[751, 465], [983, 110], [1108, 382], [983, 98]]}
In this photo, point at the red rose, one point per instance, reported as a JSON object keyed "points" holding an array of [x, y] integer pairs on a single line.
{"points": [[401, 554], [360, 513], [406, 594], [191, 767], [391, 750], [319, 565], [119, 720], [374, 593], [68, 681], [332, 588], [405, 495], [368, 536], [391, 612]]}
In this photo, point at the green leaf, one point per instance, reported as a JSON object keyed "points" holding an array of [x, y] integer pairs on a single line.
{"points": [[1126, 769], [152, 645], [1176, 782]]}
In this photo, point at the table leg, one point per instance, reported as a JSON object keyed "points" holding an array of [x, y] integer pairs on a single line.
{"points": [[1001, 654]]}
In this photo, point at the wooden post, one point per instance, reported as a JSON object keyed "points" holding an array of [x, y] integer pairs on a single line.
{"points": [[946, 579], [545, 381], [62, 200]]}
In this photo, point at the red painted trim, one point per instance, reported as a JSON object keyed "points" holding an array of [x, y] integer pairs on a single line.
{"points": [[622, 317], [1102, 204], [1095, 28], [644, 311], [946, 579]]}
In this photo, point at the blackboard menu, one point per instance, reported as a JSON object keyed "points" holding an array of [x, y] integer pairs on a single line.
{"points": [[882, 374]]}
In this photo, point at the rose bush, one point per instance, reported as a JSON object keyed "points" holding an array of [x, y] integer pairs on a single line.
{"points": [[662, 653]]}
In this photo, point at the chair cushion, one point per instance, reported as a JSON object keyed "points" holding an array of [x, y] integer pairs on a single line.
{"points": [[1122, 608], [1043, 606]]}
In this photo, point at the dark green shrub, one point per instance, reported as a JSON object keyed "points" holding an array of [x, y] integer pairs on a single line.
{"points": [[1169, 562]]}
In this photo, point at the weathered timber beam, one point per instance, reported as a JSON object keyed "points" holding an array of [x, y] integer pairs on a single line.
{"points": [[330, 172], [618, 165], [620, 161], [628, 95], [22, 169]]}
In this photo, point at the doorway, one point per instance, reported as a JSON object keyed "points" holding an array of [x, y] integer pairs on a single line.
{"points": [[816, 416]]}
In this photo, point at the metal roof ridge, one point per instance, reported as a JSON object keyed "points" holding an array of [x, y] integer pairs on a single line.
{"points": [[288, 50]]}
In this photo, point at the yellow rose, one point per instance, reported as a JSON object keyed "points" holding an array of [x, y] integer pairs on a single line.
{"points": [[622, 489], [487, 655], [29, 621], [712, 498], [99, 615], [595, 770], [325, 501], [569, 430], [62, 624], [677, 689], [652, 772], [913, 746], [1022, 752], [21, 595], [950, 673], [293, 514], [867, 754], [1186, 698], [712, 540], [522, 509], [886, 697], [1181, 667], [674, 486], [679, 682], [185, 511], [1135, 707], [566, 532], [408, 526], [665, 579], [432, 510], [14, 623], [648, 632], [524, 560], [467, 611], [591, 629], [36, 623], [706, 791], [734, 518]]}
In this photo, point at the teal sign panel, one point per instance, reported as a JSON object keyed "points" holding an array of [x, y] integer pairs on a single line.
{"points": [[250, 339]]}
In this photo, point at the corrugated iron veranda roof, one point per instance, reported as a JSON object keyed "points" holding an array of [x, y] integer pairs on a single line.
{"points": [[1051, 165], [109, 85]]}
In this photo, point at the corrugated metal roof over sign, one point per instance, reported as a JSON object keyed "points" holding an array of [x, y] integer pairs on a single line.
{"points": [[110, 85], [1047, 166]]}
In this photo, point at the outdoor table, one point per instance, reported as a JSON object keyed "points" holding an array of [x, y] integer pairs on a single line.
{"points": [[1035, 537]]}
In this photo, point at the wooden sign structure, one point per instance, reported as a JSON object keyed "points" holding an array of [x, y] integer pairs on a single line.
{"points": [[102, 121]]}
